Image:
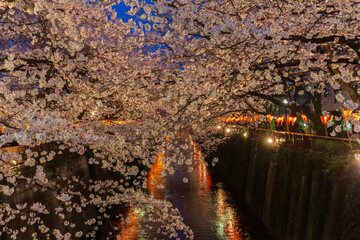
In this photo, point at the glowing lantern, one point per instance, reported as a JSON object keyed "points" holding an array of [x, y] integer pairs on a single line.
{"points": [[282, 119], [304, 117], [218, 117], [270, 117], [250, 119], [293, 120], [356, 117], [289, 119], [278, 120], [324, 120], [256, 117], [347, 113]]}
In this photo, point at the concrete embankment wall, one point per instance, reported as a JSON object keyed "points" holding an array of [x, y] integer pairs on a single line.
{"points": [[299, 193]]}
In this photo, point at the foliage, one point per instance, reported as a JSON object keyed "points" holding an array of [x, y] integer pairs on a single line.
{"points": [[68, 67]]}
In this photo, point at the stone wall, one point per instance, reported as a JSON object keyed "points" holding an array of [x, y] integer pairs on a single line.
{"points": [[299, 193]]}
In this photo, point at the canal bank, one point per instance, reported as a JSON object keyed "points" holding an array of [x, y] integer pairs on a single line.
{"points": [[299, 193], [205, 203], [203, 200]]}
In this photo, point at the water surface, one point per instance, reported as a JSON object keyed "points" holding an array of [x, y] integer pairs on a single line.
{"points": [[204, 203]]}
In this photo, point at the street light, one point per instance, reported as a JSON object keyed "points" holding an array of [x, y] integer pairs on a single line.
{"points": [[228, 130], [270, 140]]}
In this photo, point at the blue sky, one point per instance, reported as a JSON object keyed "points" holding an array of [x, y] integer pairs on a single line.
{"points": [[121, 10]]}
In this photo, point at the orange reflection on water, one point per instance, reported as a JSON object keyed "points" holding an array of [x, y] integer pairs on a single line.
{"points": [[130, 226], [204, 176], [227, 221], [154, 177]]}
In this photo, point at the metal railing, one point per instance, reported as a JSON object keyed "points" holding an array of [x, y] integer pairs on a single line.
{"points": [[308, 141]]}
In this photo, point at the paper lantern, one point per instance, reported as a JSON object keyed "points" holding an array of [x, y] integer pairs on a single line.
{"points": [[304, 117], [356, 117], [324, 120], [347, 113], [282, 119], [289, 119], [269, 117]]}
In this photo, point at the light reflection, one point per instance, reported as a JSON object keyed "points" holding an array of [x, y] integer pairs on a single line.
{"points": [[202, 206], [155, 179], [226, 222], [201, 169], [130, 225], [226, 217]]}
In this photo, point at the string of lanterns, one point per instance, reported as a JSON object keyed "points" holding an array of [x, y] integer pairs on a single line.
{"points": [[279, 120]]}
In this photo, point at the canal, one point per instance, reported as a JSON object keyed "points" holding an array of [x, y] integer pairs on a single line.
{"points": [[204, 202]]}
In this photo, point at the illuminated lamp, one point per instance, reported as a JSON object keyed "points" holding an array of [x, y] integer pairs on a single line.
{"points": [[289, 119], [304, 117], [269, 117], [324, 120], [277, 120], [282, 119], [347, 113]]}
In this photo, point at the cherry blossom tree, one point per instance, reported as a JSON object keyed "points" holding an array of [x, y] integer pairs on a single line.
{"points": [[72, 73], [255, 51], [75, 79]]}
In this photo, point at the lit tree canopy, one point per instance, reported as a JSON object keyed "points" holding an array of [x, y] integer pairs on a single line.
{"points": [[72, 75], [69, 67], [264, 49]]}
